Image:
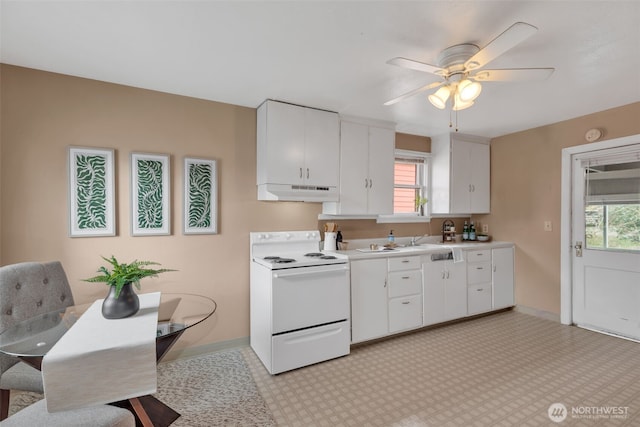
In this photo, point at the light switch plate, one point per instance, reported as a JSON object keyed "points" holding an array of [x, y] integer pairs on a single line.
{"points": [[485, 228], [548, 226]]}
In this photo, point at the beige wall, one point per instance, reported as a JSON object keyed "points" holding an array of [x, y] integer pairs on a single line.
{"points": [[525, 192], [43, 113]]}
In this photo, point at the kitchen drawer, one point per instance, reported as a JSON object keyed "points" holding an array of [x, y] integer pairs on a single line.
{"points": [[479, 299], [403, 283], [478, 272], [477, 256], [404, 263], [405, 313]]}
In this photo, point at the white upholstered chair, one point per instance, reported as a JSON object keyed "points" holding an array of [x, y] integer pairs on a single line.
{"points": [[26, 290]]}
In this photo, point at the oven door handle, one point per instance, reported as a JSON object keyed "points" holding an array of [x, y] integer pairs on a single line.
{"points": [[306, 272]]}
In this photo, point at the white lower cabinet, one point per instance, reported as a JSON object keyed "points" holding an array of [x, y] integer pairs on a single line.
{"points": [[369, 299], [503, 277], [386, 296], [400, 293], [405, 313], [445, 290], [479, 281]]}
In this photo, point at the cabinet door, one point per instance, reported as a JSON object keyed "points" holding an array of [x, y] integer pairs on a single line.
{"points": [[433, 297], [503, 277], [455, 290], [381, 160], [369, 315], [285, 143], [405, 313], [322, 148], [480, 178], [460, 176], [354, 169]]}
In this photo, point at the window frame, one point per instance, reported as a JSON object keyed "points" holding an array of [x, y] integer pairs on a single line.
{"points": [[424, 158]]}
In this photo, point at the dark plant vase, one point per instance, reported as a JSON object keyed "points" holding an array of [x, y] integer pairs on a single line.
{"points": [[127, 304]]}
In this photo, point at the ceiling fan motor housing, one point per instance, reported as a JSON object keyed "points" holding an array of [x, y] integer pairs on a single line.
{"points": [[453, 58]]}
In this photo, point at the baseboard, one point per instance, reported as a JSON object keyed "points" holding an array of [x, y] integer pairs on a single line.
{"points": [[190, 352], [538, 313]]}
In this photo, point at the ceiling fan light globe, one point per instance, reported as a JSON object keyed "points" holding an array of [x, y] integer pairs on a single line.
{"points": [[439, 99], [468, 91], [459, 104]]}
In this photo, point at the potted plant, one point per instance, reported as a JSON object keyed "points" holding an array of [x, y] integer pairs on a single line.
{"points": [[420, 202], [122, 301]]}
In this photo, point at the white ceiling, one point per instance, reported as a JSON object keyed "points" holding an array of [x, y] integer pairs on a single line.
{"points": [[332, 55]]}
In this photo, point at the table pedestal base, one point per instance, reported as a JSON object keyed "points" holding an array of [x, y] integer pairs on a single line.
{"points": [[157, 412]]}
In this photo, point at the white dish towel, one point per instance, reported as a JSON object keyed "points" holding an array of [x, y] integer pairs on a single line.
{"points": [[458, 254], [102, 360]]}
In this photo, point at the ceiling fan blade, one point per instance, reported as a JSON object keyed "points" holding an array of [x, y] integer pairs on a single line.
{"points": [[512, 36], [415, 65], [512, 74], [414, 92]]}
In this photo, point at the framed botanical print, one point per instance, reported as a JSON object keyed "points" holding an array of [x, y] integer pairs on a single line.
{"points": [[200, 196], [91, 192], [150, 194]]}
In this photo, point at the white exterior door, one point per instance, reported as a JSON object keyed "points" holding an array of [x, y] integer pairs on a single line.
{"points": [[606, 245]]}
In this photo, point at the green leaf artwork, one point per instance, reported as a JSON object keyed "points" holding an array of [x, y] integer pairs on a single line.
{"points": [[91, 192], [199, 213], [150, 193]]}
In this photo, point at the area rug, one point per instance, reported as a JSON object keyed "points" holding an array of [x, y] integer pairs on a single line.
{"points": [[216, 389]]}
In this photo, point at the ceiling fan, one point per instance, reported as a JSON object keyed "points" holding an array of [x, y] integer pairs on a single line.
{"points": [[461, 69]]}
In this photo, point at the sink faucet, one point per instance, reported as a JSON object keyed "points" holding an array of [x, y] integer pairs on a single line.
{"points": [[415, 239]]}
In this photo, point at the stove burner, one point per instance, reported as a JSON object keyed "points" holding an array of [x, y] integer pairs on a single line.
{"points": [[283, 260], [328, 257], [271, 257], [314, 254]]}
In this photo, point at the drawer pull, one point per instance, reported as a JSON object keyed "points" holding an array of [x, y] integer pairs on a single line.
{"points": [[479, 268], [479, 290], [404, 261], [405, 277], [406, 302]]}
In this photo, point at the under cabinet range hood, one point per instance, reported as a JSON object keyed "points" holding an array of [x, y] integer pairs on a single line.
{"points": [[298, 153], [297, 193]]}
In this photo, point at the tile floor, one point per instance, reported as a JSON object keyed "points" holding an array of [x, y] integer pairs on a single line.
{"points": [[505, 369]]}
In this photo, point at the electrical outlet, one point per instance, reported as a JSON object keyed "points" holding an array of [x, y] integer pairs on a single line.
{"points": [[547, 226], [485, 228]]}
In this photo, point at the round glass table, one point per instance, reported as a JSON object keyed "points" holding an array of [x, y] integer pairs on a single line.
{"points": [[31, 339]]}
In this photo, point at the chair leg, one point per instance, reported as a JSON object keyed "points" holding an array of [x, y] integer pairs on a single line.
{"points": [[4, 403]]}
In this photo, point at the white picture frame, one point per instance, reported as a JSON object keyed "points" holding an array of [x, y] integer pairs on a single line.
{"points": [[150, 194], [91, 183], [200, 196]]}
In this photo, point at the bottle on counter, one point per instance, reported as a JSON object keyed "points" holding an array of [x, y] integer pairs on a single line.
{"points": [[391, 238], [472, 231], [465, 231], [339, 237]]}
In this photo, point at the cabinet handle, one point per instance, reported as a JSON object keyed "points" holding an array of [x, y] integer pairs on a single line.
{"points": [[443, 275], [406, 302], [479, 290], [479, 268], [405, 261], [447, 274], [494, 268], [473, 188], [469, 188], [370, 183], [300, 173], [366, 183], [307, 173], [385, 283], [405, 277]]}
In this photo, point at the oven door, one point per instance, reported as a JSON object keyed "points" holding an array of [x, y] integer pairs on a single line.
{"points": [[309, 296]]}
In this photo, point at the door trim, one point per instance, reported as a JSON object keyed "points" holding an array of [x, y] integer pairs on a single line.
{"points": [[566, 217]]}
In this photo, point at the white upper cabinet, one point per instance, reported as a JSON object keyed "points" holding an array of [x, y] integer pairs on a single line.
{"points": [[366, 170], [460, 174], [298, 151]]}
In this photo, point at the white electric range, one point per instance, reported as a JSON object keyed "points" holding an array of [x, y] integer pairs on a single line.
{"points": [[300, 300]]}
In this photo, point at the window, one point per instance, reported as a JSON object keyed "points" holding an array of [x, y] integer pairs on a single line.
{"points": [[411, 173], [612, 208]]}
